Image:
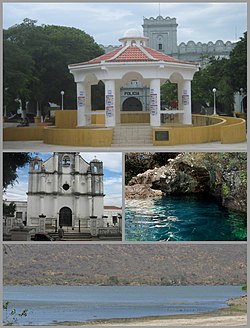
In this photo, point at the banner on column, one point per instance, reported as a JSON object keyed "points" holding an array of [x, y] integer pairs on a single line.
{"points": [[109, 105], [185, 100], [81, 101], [153, 104], [109, 100], [109, 110]]}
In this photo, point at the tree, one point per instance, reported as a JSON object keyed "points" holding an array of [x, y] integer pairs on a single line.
{"points": [[17, 73], [169, 93], [9, 210], [11, 162], [12, 317], [237, 65], [226, 75], [51, 48]]}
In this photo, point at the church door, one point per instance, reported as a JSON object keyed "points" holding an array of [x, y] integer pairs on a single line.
{"points": [[65, 217]]}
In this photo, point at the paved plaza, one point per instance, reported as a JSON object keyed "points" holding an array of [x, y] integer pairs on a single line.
{"points": [[32, 146]]}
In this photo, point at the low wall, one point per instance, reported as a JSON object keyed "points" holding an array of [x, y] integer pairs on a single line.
{"points": [[234, 131], [66, 119], [87, 137], [202, 120], [225, 130], [26, 133], [134, 117], [98, 118]]}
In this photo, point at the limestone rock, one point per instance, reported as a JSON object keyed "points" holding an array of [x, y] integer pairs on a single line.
{"points": [[222, 175]]}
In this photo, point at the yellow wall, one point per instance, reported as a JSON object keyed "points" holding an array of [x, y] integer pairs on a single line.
{"points": [[23, 133], [99, 118], [228, 130], [134, 117], [202, 120], [88, 137], [234, 132], [66, 119]]}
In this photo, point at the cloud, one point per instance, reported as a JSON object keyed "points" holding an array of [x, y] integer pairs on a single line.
{"points": [[17, 192], [112, 161], [200, 21]]}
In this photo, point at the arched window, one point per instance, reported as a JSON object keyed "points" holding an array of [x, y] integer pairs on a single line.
{"points": [[66, 160]]}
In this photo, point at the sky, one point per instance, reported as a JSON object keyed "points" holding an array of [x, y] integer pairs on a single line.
{"points": [[106, 22], [112, 163]]}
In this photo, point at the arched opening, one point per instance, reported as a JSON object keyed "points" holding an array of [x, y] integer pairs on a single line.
{"points": [[98, 96], [132, 104], [65, 217]]}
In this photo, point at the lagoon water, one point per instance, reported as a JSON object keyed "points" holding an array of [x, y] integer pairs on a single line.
{"points": [[47, 304], [182, 218]]}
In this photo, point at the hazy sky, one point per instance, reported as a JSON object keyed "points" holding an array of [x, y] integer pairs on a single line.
{"points": [[112, 163], [107, 21]]}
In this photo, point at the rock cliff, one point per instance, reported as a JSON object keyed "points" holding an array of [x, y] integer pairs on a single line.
{"points": [[222, 175]]}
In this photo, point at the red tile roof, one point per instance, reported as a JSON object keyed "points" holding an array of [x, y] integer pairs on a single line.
{"points": [[160, 56], [112, 208], [133, 54]]}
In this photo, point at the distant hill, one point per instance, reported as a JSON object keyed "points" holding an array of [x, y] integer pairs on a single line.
{"points": [[131, 264]]}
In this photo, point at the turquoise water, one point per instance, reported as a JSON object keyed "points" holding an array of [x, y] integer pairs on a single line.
{"points": [[54, 304], [182, 218]]}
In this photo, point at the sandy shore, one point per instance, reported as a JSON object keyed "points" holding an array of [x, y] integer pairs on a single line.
{"points": [[210, 322], [234, 315]]}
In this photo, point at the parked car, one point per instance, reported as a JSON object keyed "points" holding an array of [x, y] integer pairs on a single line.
{"points": [[42, 236]]}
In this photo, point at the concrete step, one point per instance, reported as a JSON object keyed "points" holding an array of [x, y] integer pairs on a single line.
{"points": [[132, 135], [72, 235]]}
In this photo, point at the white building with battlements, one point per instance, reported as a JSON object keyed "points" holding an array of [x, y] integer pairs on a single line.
{"points": [[162, 36]]}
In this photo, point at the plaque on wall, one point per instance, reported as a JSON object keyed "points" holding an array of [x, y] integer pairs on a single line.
{"points": [[161, 135]]}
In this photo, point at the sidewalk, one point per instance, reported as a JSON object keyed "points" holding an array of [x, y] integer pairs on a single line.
{"points": [[31, 146]]}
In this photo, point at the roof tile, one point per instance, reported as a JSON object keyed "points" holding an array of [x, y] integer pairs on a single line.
{"points": [[133, 54]]}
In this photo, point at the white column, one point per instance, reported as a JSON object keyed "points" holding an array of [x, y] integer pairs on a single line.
{"points": [[184, 94], [42, 182], [77, 163], [41, 205], [55, 206], [55, 176], [81, 104], [110, 103], [155, 102], [55, 162], [117, 104], [77, 183], [77, 207], [89, 189]]}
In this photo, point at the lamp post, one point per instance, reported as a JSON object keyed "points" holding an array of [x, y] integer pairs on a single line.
{"points": [[214, 91], [62, 94], [241, 102]]}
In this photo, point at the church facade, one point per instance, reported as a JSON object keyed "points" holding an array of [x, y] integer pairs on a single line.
{"points": [[66, 191]]}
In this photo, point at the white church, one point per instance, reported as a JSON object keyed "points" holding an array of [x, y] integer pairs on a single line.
{"points": [[66, 191]]}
